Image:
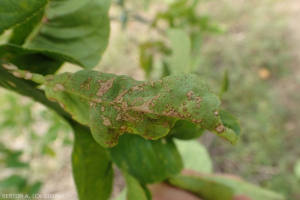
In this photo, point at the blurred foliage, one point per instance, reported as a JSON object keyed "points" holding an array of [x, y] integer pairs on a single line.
{"points": [[28, 133]]}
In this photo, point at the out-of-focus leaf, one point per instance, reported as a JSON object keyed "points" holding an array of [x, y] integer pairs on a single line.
{"points": [[12, 181], [297, 169], [112, 104], [194, 156], [15, 12], [146, 59], [159, 158], [133, 189], [206, 189], [34, 189], [12, 159], [225, 83], [179, 61], [92, 169], [238, 187], [20, 33], [185, 130], [75, 28], [48, 150]]}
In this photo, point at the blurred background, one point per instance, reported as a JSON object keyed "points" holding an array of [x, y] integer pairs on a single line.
{"points": [[246, 51]]}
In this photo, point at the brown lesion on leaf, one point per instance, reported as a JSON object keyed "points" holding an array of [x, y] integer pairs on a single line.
{"points": [[17, 74], [9, 66], [119, 98], [59, 87], [172, 113], [216, 113], [189, 95], [220, 128], [106, 121], [105, 87]]}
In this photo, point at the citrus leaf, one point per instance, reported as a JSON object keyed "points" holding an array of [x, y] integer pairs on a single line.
{"points": [[45, 62], [236, 186], [15, 12], [194, 156], [75, 28], [206, 189], [21, 32], [230, 121], [112, 105], [133, 188], [92, 169], [159, 158], [186, 130]]}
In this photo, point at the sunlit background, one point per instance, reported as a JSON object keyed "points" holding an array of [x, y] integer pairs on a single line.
{"points": [[256, 42]]}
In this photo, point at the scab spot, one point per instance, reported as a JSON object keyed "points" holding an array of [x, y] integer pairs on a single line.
{"points": [[9, 66], [58, 87], [189, 95]]}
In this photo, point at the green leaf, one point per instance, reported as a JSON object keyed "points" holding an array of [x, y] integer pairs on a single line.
{"points": [[75, 28], [236, 186], [13, 181], [20, 33], [206, 189], [92, 169], [186, 130], [179, 61], [230, 121], [15, 12], [45, 62], [159, 158], [194, 156], [112, 105], [133, 189], [297, 169], [225, 83]]}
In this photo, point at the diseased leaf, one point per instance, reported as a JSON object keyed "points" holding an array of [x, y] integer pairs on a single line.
{"points": [[92, 170], [194, 156], [112, 105], [75, 28], [159, 158], [15, 12], [206, 189]]}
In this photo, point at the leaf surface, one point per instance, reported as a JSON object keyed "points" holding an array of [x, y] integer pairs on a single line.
{"points": [[92, 169], [45, 61], [75, 28], [206, 189], [15, 12], [159, 158], [194, 156], [133, 189]]}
